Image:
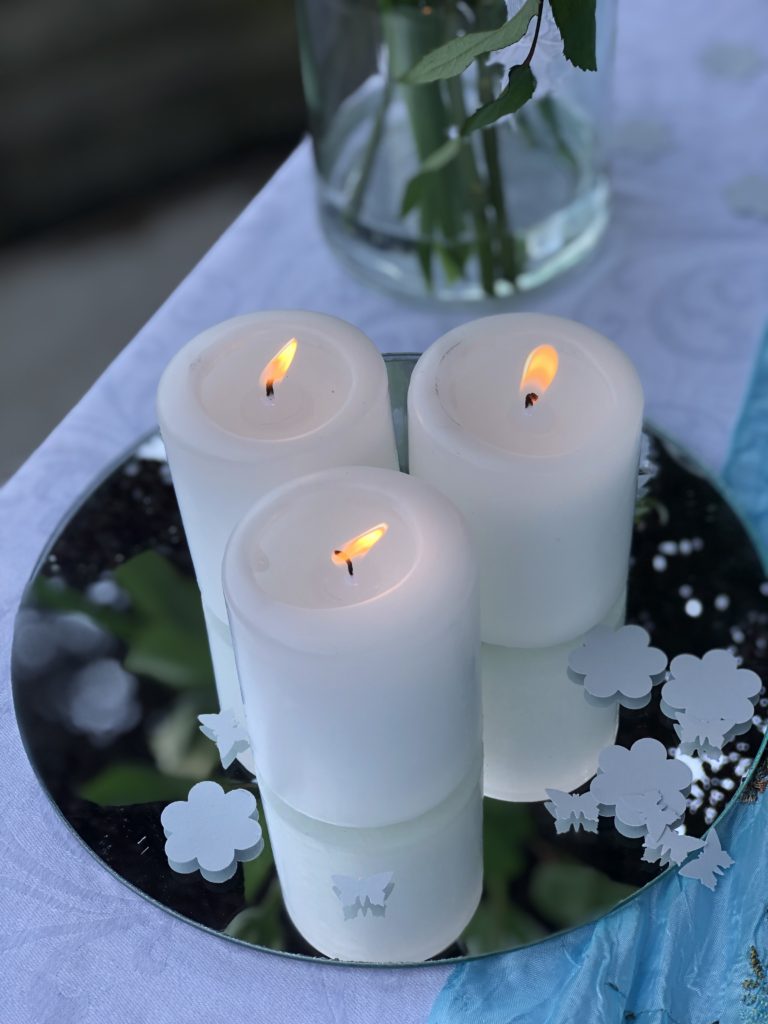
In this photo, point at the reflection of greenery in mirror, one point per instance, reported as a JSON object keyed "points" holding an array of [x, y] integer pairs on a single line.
{"points": [[507, 831], [570, 893], [162, 629], [531, 888], [163, 632], [262, 922], [111, 786]]}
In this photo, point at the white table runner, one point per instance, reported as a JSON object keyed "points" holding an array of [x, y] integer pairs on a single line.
{"points": [[681, 282]]}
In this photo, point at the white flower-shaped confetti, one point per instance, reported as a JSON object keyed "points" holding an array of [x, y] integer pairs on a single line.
{"points": [[212, 831], [711, 698], [648, 814], [571, 811], [670, 847], [360, 895], [624, 775], [227, 732], [617, 666], [711, 862]]}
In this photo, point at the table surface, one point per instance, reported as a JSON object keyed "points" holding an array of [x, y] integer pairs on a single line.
{"points": [[680, 282]]}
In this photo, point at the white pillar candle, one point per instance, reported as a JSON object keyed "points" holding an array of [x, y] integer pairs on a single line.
{"points": [[548, 491], [403, 892], [229, 442], [225, 673], [539, 731], [362, 693]]}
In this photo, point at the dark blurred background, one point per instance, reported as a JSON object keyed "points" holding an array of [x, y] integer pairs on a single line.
{"points": [[132, 133]]}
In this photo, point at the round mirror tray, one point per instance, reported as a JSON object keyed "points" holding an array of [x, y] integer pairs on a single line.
{"points": [[111, 669]]}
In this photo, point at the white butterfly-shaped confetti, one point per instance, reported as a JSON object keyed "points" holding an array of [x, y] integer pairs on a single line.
{"points": [[571, 811], [640, 786], [711, 862], [707, 738], [360, 895], [670, 847], [649, 812], [711, 698], [227, 732]]}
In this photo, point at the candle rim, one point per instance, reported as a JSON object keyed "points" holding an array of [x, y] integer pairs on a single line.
{"points": [[264, 612], [198, 432], [430, 407], [371, 822]]}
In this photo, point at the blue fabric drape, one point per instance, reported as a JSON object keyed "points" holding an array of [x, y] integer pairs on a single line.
{"points": [[676, 953]]}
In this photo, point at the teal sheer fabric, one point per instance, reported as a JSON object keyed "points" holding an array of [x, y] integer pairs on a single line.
{"points": [[676, 953], [746, 472]]}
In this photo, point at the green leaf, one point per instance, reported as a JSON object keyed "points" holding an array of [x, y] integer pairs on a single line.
{"points": [[169, 642], [507, 832], [49, 595], [455, 56], [500, 923], [177, 657], [453, 259], [576, 21], [263, 925], [133, 783], [571, 894], [163, 630], [519, 89], [491, 13], [158, 589], [424, 255], [436, 161], [500, 926], [175, 741], [256, 872]]}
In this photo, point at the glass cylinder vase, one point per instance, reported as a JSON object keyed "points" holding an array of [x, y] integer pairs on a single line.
{"points": [[503, 209]]}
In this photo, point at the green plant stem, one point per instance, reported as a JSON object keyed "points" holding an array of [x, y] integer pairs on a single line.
{"points": [[551, 117], [410, 34], [477, 195], [487, 18], [504, 234], [371, 150], [507, 251], [535, 40]]}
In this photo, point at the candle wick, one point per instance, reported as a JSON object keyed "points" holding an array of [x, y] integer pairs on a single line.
{"points": [[270, 389], [531, 399], [350, 568]]}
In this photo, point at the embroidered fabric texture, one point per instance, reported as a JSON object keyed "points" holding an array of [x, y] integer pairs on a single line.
{"points": [[684, 292]]}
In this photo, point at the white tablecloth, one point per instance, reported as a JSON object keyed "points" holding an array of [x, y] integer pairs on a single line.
{"points": [[681, 282]]}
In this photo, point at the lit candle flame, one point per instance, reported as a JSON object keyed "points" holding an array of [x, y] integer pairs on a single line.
{"points": [[358, 546], [277, 367], [538, 373]]}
